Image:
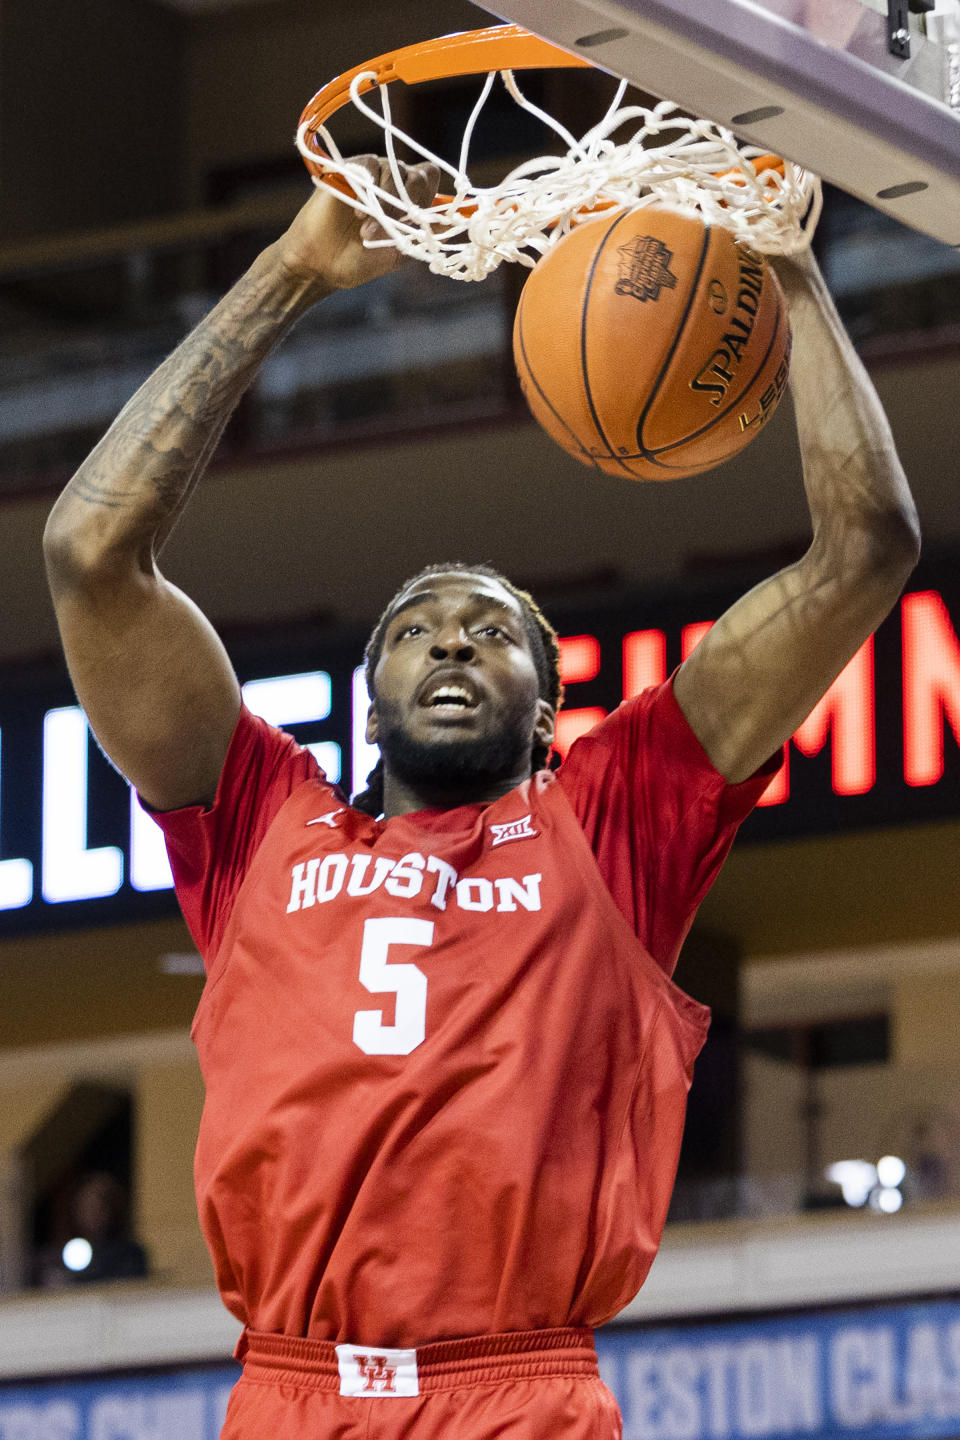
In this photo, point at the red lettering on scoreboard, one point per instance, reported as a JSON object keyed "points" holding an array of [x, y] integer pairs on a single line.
{"points": [[571, 724], [644, 660], [691, 635], [931, 684], [846, 716], [580, 657]]}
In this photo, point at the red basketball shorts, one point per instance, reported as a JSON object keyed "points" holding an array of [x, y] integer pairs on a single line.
{"points": [[532, 1385]]}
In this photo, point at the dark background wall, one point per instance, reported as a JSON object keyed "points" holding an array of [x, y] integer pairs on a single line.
{"points": [[89, 93]]}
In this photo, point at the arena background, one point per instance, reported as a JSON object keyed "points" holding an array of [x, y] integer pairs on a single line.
{"points": [[145, 155]]}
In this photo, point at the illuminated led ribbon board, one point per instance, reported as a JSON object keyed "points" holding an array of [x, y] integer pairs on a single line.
{"points": [[880, 749]]}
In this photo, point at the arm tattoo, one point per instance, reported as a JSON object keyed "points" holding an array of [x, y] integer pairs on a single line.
{"points": [[85, 488], [156, 449]]}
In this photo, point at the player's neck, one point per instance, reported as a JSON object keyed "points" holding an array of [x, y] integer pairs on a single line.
{"points": [[400, 797]]}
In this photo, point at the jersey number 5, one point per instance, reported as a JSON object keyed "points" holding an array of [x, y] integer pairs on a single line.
{"points": [[379, 975]]}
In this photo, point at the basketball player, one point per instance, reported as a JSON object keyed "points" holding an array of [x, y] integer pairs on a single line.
{"points": [[446, 1067]]}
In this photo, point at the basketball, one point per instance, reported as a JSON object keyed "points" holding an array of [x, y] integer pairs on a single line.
{"points": [[652, 345]]}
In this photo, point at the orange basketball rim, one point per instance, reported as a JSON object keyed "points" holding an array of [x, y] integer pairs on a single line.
{"points": [[472, 52]]}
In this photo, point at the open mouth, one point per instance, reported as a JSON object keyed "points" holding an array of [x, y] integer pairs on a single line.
{"points": [[449, 697]]}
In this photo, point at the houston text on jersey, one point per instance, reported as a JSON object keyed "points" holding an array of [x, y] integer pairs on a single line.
{"points": [[324, 878]]}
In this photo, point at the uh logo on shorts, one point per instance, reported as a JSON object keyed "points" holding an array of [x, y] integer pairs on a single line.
{"points": [[375, 1373]]}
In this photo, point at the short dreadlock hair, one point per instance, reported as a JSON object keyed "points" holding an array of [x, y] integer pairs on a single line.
{"points": [[541, 637]]}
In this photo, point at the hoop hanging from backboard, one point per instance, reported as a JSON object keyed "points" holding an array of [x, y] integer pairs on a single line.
{"points": [[667, 158]]}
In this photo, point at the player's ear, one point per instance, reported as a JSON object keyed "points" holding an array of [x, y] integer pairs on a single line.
{"points": [[545, 726], [372, 726]]}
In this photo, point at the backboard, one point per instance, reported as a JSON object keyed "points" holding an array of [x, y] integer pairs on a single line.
{"points": [[819, 81]]}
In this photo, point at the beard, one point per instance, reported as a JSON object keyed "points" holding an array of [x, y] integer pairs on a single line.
{"points": [[460, 763]]}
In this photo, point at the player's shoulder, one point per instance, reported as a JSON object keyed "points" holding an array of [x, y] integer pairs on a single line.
{"points": [[646, 736], [264, 759], [641, 718], [257, 738]]}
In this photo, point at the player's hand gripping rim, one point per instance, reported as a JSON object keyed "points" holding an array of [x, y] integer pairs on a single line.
{"points": [[333, 246]]}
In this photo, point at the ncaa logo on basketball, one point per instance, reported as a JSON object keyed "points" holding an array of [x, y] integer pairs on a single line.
{"points": [[645, 268]]}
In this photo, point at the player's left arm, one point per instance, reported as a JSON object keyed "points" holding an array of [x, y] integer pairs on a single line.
{"points": [[763, 666]]}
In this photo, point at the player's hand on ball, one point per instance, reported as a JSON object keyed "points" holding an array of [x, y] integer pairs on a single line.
{"points": [[325, 241]]}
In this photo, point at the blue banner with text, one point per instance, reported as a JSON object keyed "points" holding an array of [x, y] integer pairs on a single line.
{"points": [[887, 1373], [891, 1373]]}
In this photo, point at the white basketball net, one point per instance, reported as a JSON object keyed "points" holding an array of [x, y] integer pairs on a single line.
{"points": [[668, 159]]}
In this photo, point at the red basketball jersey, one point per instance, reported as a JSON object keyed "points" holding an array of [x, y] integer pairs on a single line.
{"points": [[446, 1076]]}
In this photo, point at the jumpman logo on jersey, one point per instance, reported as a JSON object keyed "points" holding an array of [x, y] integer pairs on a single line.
{"points": [[327, 819], [514, 830]]}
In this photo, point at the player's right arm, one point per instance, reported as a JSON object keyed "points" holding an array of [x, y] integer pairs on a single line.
{"points": [[148, 668]]}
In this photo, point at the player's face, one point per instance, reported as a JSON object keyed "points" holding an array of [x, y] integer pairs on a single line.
{"points": [[457, 693]]}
